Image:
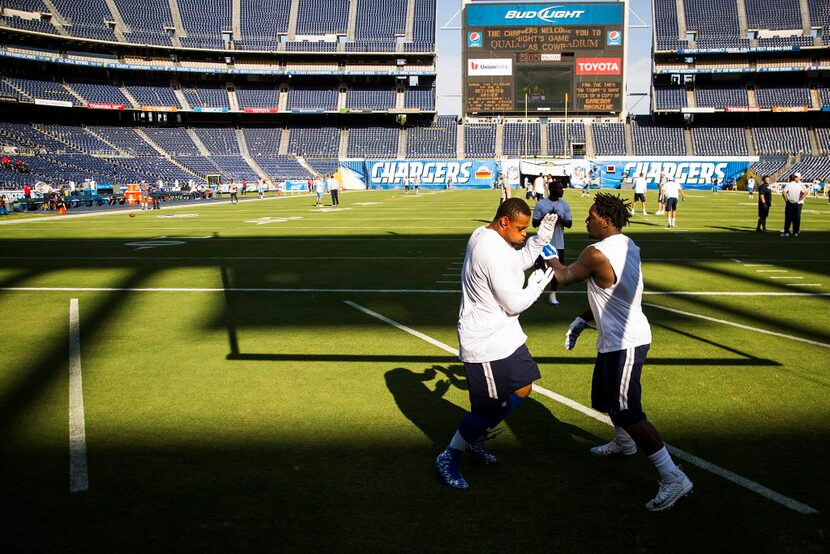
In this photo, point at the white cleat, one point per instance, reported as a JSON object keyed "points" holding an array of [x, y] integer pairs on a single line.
{"points": [[670, 492], [613, 448]]}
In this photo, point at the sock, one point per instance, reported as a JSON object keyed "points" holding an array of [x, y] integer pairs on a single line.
{"points": [[663, 462], [472, 427], [622, 437], [458, 442], [515, 402]]}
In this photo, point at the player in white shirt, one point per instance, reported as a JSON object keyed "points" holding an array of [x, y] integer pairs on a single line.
{"points": [[640, 186], [660, 198], [500, 370], [539, 187], [672, 191], [750, 186], [613, 272]]}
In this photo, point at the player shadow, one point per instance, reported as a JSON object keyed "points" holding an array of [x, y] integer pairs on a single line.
{"points": [[747, 229], [533, 424], [749, 358], [646, 223]]}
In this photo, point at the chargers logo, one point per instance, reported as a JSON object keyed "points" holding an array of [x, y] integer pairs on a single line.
{"points": [[474, 40], [614, 38]]}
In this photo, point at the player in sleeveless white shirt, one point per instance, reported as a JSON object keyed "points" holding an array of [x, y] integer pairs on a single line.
{"points": [[500, 369], [615, 287]]}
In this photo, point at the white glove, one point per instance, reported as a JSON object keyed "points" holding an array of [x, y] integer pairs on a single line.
{"points": [[574, 330], [545, 232], [540, 279]]}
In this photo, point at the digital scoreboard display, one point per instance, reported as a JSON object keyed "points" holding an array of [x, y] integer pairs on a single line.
{"points": [[543, 58]]}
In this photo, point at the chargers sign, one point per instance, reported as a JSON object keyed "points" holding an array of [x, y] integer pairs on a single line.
{"points": [[691, 172], [429, 174]]}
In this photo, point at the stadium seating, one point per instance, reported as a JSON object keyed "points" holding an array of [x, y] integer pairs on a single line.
{"points": [[372, 27], [669, 98], [720, 141], [283, 167], [308, 98], [781, 140], [46, 89], [768, 166], [609, 139], [437, 140], [785, 15], [100, 91], [721, 96], [152, 95], [317, 18], [479, 140], [521, 139], [262, 141], [173, 140], [318, 142], [146, 20], [78, 138], [422, 98], [556, 137], [218, 140], [125, 139], [657, 140], [714, 21], [257, 95], [86, 19], [823, 135], [368, 97], [204, 22], [812, 167], [782, 95], [373, 141], [666, 26], [206, 95], [261, 21]]}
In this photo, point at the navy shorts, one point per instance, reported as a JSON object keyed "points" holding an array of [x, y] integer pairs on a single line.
{"points": [[497, 380], [616, 382], [639, 197], [671, 204]]}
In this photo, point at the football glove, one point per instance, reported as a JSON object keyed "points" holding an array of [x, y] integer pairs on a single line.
{"points": [[549, 252], [540, 278], [545, 232], [574, 330]]}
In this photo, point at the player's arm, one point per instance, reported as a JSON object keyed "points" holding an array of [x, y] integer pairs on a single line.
{"points": [[512, 296], [578, 271]]}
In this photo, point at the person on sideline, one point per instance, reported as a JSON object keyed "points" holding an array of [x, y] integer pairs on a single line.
{"points": [[500, 370], [672, 191], [554, 204], [764, 204], [614, 275], [640, 186], [794, 194]]}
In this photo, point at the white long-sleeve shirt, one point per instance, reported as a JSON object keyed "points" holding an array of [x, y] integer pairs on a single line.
{"points": [[493, 295]]}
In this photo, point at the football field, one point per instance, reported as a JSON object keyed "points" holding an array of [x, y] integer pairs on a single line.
{"points": [[271, 376]]}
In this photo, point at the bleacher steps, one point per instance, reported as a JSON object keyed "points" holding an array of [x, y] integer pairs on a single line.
{"points": [[543, 141], [399, 99], [352, 21], [499, 138], [236, 19], [690, 99], [410, 21], [750, 95], [806, 23], [177, 92], [690, 145], [120, 26], [460, 149], [233, 100], [743, 26], [306, 165], [103, 139], [129, 96], [343, 147], [57, 19], [22, 92], [74, 93], [246, 154], [815, 99], [177, 18], [681, 20], [750, 142], [815, 149], [285, 136], [198, 142], [403, 137], [55, 136], [146, 138], [292, 19], [589, 140], [629, 139], [341, 99], [283, 102]]}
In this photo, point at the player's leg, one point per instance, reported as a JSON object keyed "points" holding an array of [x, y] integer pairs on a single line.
{"points": [[608, 371]]}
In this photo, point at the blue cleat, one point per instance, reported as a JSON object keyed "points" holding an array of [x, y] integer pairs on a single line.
{"points": [[448, 465], [477, 451]]}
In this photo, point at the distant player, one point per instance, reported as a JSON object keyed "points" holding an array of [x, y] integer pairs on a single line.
{"points": [[640, 186], [764, 204], [613, 272], [233, 190], [554, 204], [500, 370], [672, 191], [318, 191], [750, 186], [334, 189], [539, 187], [661, 199]]}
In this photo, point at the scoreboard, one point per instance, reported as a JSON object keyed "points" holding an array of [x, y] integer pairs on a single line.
{"points": [[530, 57]]}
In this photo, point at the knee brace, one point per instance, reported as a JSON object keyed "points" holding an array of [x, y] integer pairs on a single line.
{"points": [[624, 418]]}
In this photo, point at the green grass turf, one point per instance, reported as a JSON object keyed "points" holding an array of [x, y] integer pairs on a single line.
{"points": [[229, 420]]}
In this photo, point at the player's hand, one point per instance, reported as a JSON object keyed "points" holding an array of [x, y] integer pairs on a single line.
{"points": [[574, 330], [540, 278], [548, 252], [545, 232]]}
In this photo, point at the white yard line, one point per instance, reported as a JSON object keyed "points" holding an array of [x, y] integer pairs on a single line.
{"points": [[690, 458], [771, 271], [78, 478], [785, 277], [739, 325]]}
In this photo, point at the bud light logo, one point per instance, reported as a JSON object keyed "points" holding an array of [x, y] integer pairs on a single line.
{"points": [[474, 40], [551, 14], [598, 66], [614, 38]]}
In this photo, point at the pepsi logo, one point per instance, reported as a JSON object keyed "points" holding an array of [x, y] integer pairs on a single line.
{"points": [[475, 36]]}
